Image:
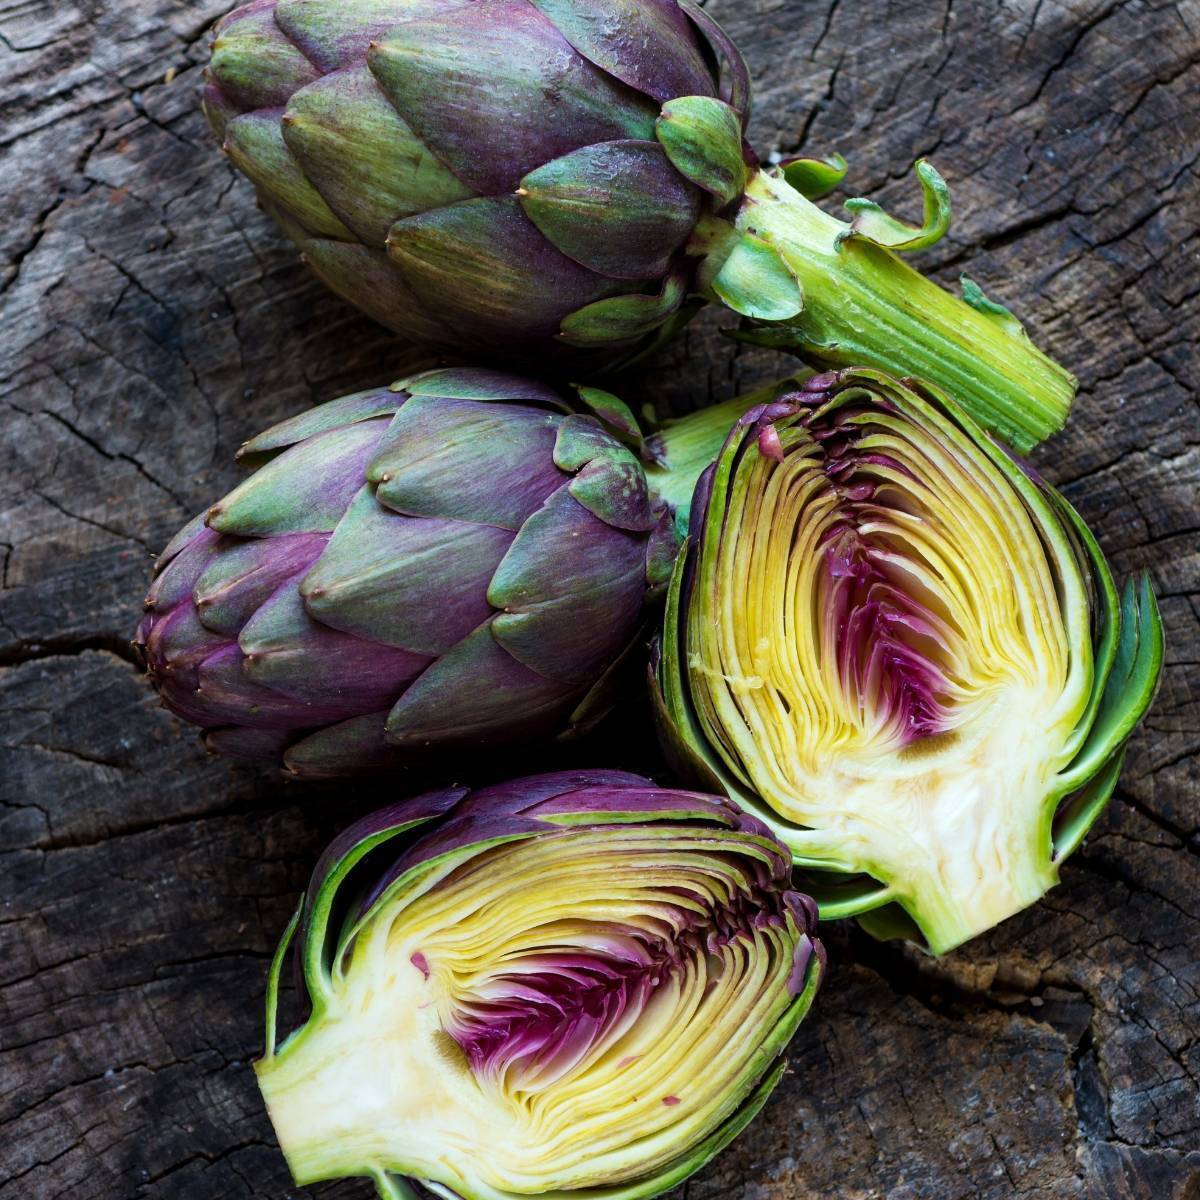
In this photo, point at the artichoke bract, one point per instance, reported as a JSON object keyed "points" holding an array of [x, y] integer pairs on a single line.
{"points": [[457, 560], [576, 984], [502, 176], [895, 643]]}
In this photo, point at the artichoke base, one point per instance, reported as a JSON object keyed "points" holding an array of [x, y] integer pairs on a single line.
{"points": [[349, 1089], [962, 837]]}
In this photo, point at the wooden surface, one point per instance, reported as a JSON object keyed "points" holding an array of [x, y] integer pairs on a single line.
{"points": [[153, 319]]}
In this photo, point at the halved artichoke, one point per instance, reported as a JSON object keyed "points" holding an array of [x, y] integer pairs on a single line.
{"points": [[896, 644], [573, 984]]}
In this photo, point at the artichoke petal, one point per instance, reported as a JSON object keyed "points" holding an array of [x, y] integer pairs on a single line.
{"points": [[735, 74], [291, 653], [375, 577], [343, 748], [306, 489], [477, 383], [552, 615], [253, 63], [367, 278], [334, 34], [703, 138], [256, 145], [486, 266], [335, 414], [649, 46], [359, 153], [624, 318], [239, 580], [505, 58], [874, 225], [434, 438], [618, 208], [446, 706]]}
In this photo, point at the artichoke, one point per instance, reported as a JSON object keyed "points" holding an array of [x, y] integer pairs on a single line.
{"points": [[459, 560], [903, 650], [505, 176], [575, 984]]}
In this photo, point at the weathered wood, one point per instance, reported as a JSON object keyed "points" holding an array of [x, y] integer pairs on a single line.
{"points": [[153, 319]]}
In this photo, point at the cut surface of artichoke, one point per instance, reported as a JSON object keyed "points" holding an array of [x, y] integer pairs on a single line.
{"points": [[888, 652], [549, 1015]]}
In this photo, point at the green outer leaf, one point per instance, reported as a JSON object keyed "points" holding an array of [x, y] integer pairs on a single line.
{"points": [[814, 177], [393, 1187], [672, 700], [622, 318], [872, 224], [755, 282], [889, 923], [703, 139], [973, 295], [317, 975], [836, 901], [614, 414], [1107, 609], [1079, 813], [1130, 687], [273, 979]]}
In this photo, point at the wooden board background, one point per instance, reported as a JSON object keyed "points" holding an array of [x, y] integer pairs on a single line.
{"points": [[152, 319]]}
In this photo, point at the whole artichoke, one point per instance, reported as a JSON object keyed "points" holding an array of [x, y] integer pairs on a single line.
{"points": [[456, 560], [574, 985], [905, 652], [508, 175]]}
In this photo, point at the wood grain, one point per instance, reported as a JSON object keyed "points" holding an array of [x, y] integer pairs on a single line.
{"points": [[153, 318]]}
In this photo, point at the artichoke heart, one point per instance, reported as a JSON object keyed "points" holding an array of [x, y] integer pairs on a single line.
{"points": [[905, 651], [570, 983]]}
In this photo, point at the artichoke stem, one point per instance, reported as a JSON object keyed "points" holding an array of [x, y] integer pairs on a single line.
{"points": [[683, 448], [864, 306]]}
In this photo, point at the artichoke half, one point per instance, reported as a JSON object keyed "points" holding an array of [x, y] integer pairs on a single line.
{"points": [[459, 560], [573, 984], [517, 176], [904, 651]]}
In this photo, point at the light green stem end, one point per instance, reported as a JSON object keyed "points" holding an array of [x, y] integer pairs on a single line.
{"points": [[685, 447], [864, 306]]}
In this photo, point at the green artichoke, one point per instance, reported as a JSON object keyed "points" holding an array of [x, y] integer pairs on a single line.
{"points": [[573, 985], [893, 642], [459, 560], [505, 176]]}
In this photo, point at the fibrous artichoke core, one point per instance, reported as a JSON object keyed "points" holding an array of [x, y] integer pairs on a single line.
{"points": [[561, 1012], [888, 644]]}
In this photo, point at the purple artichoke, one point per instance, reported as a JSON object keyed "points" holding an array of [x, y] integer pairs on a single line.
{"points": [[517, 176], [392, 142], [455, 561], [578, 984]]}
